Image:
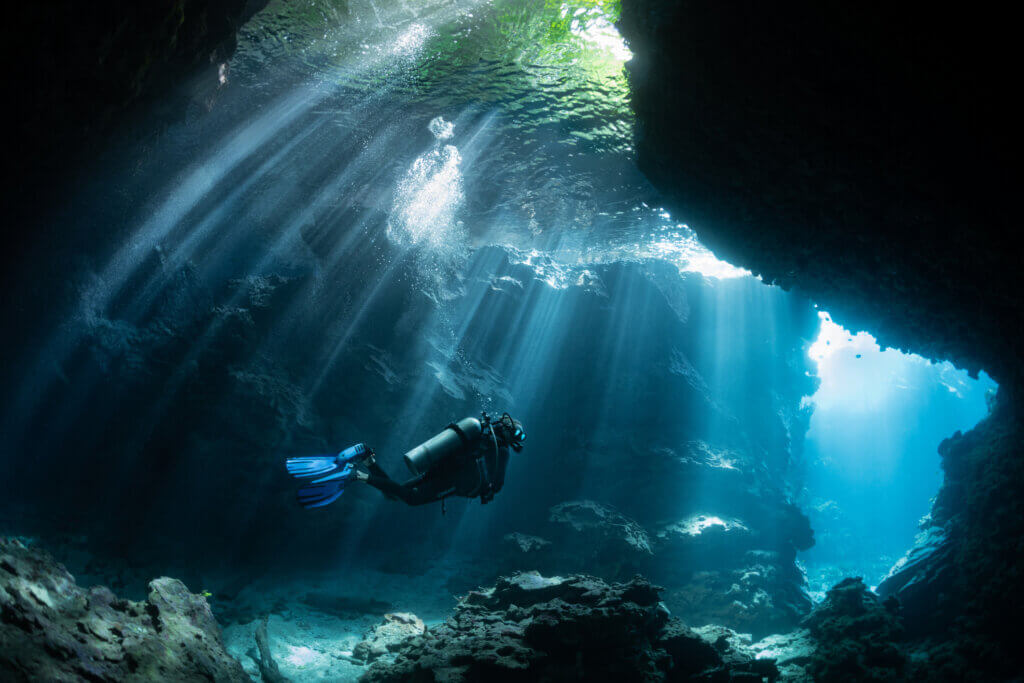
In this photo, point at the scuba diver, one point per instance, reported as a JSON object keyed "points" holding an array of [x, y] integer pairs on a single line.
{"points": [[468, 458]]}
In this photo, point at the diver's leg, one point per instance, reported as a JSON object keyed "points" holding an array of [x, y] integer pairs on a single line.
{"points": [[385, 484], [376, 470], [410, 495], [408, 492]]}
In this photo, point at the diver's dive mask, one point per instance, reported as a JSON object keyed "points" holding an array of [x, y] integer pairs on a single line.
{"points": [[514, 432]]}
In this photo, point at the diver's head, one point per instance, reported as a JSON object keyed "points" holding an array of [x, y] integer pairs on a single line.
{"points": [[510, 431]]}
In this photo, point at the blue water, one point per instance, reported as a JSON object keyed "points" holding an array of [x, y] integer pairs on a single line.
{"points": [[871, 452]]}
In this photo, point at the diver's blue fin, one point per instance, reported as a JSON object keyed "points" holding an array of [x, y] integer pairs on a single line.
{"points": [[345, 474], [311, 466], [325, 491], [316, 465]]}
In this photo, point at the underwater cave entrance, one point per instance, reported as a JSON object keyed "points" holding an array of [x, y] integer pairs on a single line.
{"points": [[871, 460]]}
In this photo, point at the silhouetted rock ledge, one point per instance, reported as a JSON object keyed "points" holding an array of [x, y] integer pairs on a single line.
{"points": [[51, 629], [529, 627], [762, 127]]}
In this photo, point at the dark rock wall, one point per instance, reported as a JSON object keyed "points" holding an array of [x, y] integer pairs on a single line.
{"points": [[78, 68], [965, 570], [85, 74], [863, 156]]}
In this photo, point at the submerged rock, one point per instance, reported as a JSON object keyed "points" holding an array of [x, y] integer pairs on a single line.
{"points": [[591, 536], [525, 543], [921, 574], [706, 534], [388, 636], [268, 668], [857, 636], [757, 598], [713, 653], [719, 569], [792, 652], [52, 629], [529, 627], [523, 551], [957, 583]]}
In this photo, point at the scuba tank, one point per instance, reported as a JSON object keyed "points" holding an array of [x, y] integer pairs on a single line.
{"points": [[455, 439]]}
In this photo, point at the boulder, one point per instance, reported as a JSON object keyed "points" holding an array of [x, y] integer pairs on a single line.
{"points": [[713, 653], [598, 538], [701, 535], [792, 652], [754, 598], [52, 629], [923, 572], [388, 635], [857, 636], [529, 627]]}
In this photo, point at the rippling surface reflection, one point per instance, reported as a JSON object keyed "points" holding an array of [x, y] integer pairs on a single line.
{"points": [[538, 95]]}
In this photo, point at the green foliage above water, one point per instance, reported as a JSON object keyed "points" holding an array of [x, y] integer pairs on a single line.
{"points": [[540, 61]]}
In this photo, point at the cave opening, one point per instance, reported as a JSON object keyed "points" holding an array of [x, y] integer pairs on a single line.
{"points": [[872, 450]]}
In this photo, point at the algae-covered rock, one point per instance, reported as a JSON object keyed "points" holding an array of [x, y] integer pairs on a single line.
{"points": [[52, 629]]}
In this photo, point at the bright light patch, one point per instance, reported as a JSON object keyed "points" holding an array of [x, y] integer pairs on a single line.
{"points": [[878, 418], [410, 40], [833, 338], [703, 523], [857, 375], [678, 244], [429, 197], [698, 524], [441, 129], [704, 262], [595, 28], [300, 656]]}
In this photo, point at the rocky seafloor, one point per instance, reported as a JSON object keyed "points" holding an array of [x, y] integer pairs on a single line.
{"points": [[52, 629], [526, 627]]}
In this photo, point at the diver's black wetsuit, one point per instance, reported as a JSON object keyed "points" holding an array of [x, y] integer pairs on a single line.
{"points": [[478, 472]]}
